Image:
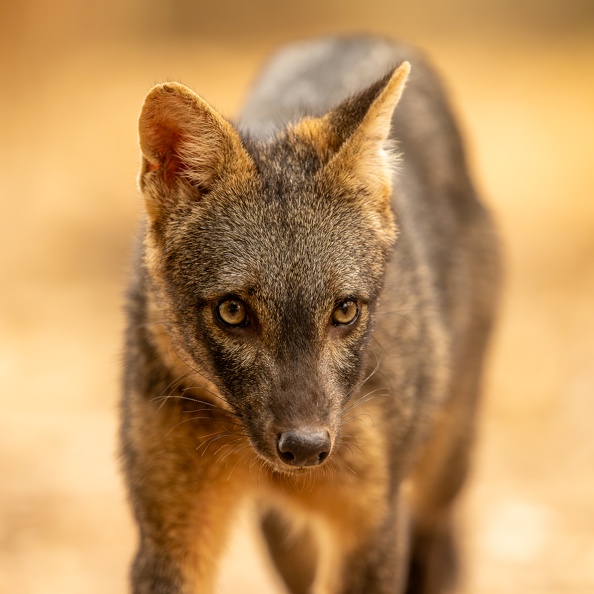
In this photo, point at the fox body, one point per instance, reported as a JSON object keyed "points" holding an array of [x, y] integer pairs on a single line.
{"points": [[306, 325]]}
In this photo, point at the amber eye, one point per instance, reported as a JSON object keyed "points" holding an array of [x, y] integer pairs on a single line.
{"points": [[346, 312], [232, 312]]}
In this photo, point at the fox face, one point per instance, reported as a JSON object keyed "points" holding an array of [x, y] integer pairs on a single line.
{"points": [[266, 258]]}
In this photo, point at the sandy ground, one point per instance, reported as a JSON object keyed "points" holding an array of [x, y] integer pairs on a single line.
{"points": [[68, 160]]}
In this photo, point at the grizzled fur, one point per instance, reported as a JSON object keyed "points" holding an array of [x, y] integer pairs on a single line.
{"points": [[300, 207]]}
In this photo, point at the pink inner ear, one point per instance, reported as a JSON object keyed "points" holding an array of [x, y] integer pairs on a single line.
{"points": [[164, 139]]}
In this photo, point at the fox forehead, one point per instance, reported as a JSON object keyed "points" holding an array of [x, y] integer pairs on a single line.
{"points": [[305, 245]]}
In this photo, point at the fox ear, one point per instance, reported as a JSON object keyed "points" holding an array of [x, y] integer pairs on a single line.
{"points": [[186, 146], [362, 125]]}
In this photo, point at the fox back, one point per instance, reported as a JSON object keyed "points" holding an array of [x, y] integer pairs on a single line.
{"points": [[321, 261]]}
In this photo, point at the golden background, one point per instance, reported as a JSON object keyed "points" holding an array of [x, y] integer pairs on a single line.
{"points": [[521, 75]]}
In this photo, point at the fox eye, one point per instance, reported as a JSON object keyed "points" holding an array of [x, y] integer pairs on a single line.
{"points": [[232, 312], [345, 313]]}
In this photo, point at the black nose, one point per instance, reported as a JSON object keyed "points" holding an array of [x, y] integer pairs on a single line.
{"points": [[303, 447]]}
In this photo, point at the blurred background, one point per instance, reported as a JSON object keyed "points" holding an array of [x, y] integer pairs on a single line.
{"points": [[521, 76]]}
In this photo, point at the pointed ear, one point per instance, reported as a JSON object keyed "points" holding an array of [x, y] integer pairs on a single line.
{"points": [[363, 125], [187, 146]]}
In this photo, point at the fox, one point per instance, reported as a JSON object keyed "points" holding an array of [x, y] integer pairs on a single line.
{"points": [[313, 291]]}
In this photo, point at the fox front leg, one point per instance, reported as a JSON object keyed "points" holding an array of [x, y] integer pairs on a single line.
{"points": [[182, 539], [184, 502], [376, 564], [157, 572]]}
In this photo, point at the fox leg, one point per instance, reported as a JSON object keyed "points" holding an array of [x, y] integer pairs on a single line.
{"points": [[180, 554], [323, 565], [434, 558], [436, 482], [293, 554], [184, 502], [433, 562], [376, 563], [399, 556]]}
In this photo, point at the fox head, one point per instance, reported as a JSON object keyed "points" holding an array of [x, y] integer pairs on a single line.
{"points": [[266, 258]]}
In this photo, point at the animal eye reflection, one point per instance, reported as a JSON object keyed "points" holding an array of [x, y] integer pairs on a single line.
{"points": [[345, 313], [232, 312]]}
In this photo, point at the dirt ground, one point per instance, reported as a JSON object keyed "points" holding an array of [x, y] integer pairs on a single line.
{"points": [[523, 83]]}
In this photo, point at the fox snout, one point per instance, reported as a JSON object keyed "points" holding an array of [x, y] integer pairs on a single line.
{"points": [[296, 429], [303, 447]]}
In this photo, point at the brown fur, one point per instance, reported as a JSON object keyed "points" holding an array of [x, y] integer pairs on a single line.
{"points": [[291, 225]]}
